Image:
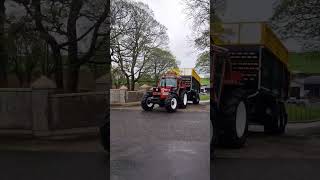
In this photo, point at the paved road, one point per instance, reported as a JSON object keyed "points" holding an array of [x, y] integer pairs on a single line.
{"points": [[159, 146], [25, 165], [293, 156]]}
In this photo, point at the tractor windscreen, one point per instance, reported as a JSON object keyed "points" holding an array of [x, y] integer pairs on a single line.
{"points": [[168, 82]]}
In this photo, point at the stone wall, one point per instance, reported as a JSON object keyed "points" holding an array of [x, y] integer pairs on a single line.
{"points": [[134, 96], [77, 110], [15, 109], [39, 112], [124, 96]]}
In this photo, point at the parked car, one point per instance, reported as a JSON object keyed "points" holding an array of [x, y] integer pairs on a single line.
{"points": [[294, 100]]}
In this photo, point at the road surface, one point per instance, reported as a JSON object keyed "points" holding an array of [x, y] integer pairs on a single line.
{"points": [[160, 146], [293, 156], [25, 165]]}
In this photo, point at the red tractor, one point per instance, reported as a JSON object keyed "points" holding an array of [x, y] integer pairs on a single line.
{"points": [[173, 92]]}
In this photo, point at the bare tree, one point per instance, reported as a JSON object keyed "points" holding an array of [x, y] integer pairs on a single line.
{"points": [[135, 34], [204, 16], [76, 28], [3, 49]]}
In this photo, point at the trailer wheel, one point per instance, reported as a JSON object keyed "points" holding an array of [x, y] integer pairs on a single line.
{"points": [[283, 118], [146, 103], [183, 100], [275, 118], [234, 119], [196, 99], [171, 103]]}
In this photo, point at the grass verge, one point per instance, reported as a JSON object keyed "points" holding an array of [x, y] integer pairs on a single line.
{"points": [[302, 113]]}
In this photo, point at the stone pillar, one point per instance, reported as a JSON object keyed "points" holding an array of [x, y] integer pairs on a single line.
{"points": [[145, 88], [41, 89], [123, 94]]}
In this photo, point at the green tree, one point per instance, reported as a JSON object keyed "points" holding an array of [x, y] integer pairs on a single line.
{"points": [[159, 62], [203, 63], [300, 20]]}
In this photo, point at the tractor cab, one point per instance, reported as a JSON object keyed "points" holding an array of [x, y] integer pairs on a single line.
{"points": [[170, 82]]}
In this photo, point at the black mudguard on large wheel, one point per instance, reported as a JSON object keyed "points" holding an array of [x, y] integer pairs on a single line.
{"points": [[233, 119], [105, 140]]}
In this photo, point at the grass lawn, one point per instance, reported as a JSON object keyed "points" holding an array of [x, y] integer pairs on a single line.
{"points": [[302, 114], [205, 81], [204, 97], [304, 62]]}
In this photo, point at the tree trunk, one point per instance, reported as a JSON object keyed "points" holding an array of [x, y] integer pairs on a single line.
{"points": [[58, 66], [132, 83], [73, 61], [3, 49], [128, 82]]}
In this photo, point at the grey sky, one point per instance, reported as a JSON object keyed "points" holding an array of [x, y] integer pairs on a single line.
{"points": [[170, 14]]}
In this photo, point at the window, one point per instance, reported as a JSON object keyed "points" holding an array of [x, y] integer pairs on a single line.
{"points": [[168, 82]]}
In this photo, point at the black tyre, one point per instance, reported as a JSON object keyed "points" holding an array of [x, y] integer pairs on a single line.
{"points": [[183, 99], [196, 99], [171, 103], [105, 140], [213, 138], [275, 118], [213, 130], [283, 119], [233, 119], [146, 103]]}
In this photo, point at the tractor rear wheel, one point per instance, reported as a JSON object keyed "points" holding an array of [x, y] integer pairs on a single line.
{"points": [[146, 103], [183, 99], [171, 103], [233, 119]]}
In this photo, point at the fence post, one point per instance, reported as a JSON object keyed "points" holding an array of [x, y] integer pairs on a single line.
{"points": [[41, 90], [123, 94]]}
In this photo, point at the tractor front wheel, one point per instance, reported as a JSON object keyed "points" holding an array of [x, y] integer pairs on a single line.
{"points": [[171, 103], [146, 103]]}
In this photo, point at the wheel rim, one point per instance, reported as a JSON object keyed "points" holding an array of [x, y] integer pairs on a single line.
{"points": [[174, 103], [241, 119], [185, 99], [149, 103]]}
